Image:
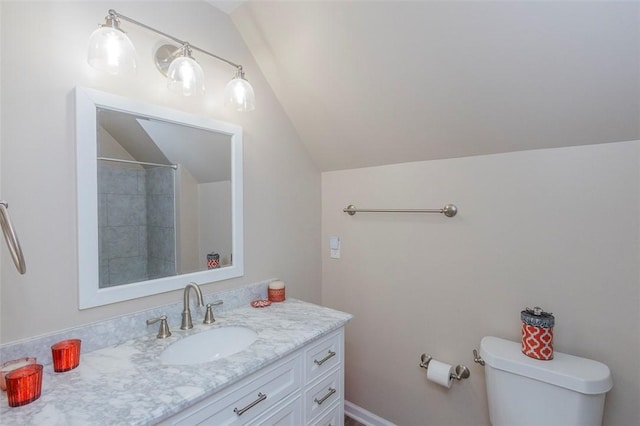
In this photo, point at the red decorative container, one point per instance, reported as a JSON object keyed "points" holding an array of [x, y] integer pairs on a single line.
{"points": [[66, 355], [213, 261], [24, 385], [276, 291], [537, 333]]}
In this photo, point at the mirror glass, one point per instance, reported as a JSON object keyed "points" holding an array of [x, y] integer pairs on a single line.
{"points": [[159, 198]]}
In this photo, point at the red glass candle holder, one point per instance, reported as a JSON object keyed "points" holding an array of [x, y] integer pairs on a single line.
{"points": [[13, 365], [24, 385], [66, 355]]}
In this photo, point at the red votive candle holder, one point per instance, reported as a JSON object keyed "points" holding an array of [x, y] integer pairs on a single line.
{"points": [[24, 385], [66, 355]]}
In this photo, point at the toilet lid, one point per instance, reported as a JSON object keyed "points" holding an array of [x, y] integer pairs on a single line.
{"points": [[571, 372]]}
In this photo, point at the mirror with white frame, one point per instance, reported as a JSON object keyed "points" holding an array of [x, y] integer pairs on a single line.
{"points": [[159, 198]]}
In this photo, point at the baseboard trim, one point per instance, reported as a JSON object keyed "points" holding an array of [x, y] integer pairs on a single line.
{"points": [[363, 416]]}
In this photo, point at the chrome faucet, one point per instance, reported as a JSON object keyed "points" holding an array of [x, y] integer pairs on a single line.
{"points": [[186, 312]]}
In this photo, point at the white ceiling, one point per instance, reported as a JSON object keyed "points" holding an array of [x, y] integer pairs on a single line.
{"points": [[381, 82], [227, 6]]}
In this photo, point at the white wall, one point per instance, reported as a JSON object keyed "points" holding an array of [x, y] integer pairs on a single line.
{"points": [[188, 217], [556, 228], [43, 58], [214, 200], [2, 259], [4, 253]]}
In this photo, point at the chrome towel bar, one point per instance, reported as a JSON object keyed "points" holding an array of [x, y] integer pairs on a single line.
{"points": [[448, 210], [11, 238]]}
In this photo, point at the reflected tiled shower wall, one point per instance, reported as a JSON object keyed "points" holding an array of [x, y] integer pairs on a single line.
{"points": [[136, 223], [161, 233]]}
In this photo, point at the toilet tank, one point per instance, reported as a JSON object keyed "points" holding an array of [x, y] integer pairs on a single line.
{"points": [[567, 390]]}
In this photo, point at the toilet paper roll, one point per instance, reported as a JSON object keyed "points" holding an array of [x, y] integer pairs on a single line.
{"points": [[440, 373]]}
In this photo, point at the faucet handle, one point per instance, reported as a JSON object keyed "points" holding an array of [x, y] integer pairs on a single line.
{"points": [[163, 331], [208, 316]]}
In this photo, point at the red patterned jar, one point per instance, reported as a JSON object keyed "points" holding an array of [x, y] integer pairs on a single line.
{"points": [[213, 261], [537, 333]]}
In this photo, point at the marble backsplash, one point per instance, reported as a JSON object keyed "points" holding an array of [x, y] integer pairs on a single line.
{"points": [[120, 329]]}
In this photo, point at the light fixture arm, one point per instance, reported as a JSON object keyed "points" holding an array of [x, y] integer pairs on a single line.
{"points": [[115, 15]]}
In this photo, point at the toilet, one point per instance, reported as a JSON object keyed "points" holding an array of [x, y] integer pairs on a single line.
{"points": [[567, 390]]}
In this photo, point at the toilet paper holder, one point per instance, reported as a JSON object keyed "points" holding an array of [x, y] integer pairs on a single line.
{"points": [[460, 371]]}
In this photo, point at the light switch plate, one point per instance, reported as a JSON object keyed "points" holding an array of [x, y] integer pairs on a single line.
{"points": [[334, 247]]}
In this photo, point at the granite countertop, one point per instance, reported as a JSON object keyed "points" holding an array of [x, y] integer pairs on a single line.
{"points": [[126, 384]]}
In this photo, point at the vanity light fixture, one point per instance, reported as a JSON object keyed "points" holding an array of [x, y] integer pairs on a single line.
{"points": [[185, 75], [111, 50]]}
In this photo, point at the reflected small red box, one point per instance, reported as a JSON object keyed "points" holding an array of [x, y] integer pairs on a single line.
{"points": [[24, 385], [66, 355]]}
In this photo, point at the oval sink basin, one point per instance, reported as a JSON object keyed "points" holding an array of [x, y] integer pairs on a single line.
{"points": [[208, 346]]}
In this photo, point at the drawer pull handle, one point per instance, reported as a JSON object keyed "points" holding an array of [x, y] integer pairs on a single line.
{"points": [[261, 397], [326, 358], [324, 398]]}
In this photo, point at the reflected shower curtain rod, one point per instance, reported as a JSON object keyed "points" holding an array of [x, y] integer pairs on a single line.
{"points": [[143, 163], [448, 210]]}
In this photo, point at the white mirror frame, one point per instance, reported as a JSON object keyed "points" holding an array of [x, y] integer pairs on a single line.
{"points": [[90, 295]]}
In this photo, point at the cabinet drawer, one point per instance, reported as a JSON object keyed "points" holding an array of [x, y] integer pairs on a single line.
{"points": [[246, 400], [320, 397], [290, 414], [323, 356], [334, 417]]}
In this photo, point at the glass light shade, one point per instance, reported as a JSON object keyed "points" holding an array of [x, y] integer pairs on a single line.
{"points": [[111, 50], [185, 76], [239, 95]]}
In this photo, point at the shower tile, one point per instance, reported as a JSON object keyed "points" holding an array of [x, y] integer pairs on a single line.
{"points": [[127, 270], [103, 274], [161, 268], [161, 243], [160, 210], [120, 241], [143, 240], [115, 180], [126, 210], [102, 209], [160, 181], [142, 182]]}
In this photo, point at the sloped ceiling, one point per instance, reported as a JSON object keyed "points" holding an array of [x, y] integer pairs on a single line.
{"points": [[154, 141], [381, 82]]}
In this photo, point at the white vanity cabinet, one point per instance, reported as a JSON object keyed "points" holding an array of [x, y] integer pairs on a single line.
{"points": [[303, 388]]}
